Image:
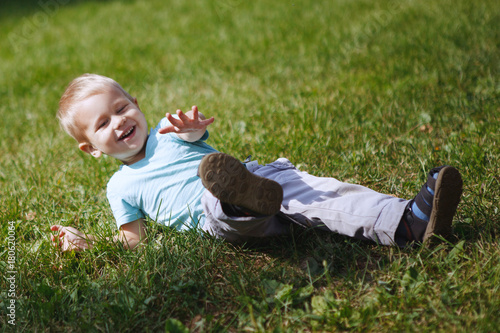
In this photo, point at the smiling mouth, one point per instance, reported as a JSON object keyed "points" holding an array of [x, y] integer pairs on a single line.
{"points": [[127, 133]]}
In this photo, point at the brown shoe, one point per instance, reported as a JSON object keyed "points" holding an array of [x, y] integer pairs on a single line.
{"points": [[447, 193], [438, 199], [230, 182]]}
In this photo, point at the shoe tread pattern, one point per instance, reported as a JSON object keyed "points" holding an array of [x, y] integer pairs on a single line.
{"points": [[230, 181], [447, 193]]}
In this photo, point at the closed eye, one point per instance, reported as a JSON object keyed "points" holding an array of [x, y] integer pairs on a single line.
{"points": [[102, 124], [120, 110]]}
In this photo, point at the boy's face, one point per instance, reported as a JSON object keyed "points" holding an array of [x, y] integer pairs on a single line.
{"points": [[113, 125]]}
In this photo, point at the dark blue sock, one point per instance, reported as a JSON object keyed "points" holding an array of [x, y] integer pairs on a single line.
{"points": [[418, 213]]}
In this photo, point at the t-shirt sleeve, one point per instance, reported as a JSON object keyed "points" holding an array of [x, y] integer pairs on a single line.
{"points": [[205, 136], [123, 211]]}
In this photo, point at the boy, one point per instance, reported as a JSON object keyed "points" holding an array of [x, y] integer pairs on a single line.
{"points": [[173, 177]]}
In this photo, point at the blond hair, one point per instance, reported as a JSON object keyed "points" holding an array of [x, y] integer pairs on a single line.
{"points": [[81, 88]]}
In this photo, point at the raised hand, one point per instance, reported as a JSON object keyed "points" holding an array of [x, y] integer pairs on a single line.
{"points": [[189, 122]]}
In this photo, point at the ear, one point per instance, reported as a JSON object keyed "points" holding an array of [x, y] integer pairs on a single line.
{"points": [[135, 102], [89, 149]]}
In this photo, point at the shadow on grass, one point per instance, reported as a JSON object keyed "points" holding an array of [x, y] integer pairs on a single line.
{"points": [[315, 252], [23, 8]]}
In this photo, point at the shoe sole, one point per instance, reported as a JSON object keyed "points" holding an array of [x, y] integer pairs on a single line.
{"points": [[447, 193], [230, 182]]}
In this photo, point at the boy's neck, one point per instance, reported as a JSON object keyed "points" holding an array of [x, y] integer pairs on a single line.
{"points": [[139, 156]]}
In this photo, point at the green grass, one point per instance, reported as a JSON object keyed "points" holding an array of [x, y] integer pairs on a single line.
{"points": [[371, 92]]}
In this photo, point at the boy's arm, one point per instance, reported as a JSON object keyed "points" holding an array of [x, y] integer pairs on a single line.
{"points": [[189, 127], [71, 239], [133, 233]]}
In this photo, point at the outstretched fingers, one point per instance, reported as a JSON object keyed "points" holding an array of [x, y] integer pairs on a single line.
{"points": [[208, 121], [194, 108], [173, 127], [174, 121], [183, 117], [56, 239], [68, 238], [186, 122], [56, 227]]}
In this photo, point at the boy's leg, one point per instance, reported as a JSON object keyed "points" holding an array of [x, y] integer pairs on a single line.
{"points": [[359, 212], [229, 180], [237, 228], [348, 209], [326, 203], [238, 204]]}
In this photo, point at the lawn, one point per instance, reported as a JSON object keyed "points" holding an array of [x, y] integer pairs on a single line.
{"points": [[370, 92]]}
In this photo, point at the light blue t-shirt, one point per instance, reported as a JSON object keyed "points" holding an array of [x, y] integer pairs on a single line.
{"points": [[164, 185]]}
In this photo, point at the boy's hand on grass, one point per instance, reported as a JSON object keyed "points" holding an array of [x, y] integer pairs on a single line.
{"points": [[69, 239], [191, 121]]}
